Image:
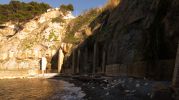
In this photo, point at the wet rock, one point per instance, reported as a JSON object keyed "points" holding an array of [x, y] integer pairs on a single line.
{"points": [[161, 92], [137, 85], [146, 84], [127, 91], [107, 94]]}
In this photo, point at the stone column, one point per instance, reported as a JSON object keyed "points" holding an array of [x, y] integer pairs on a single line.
{"points": [[94, 58], [78, 62], [73, 62], [60, 60], [103, 62], [175, 81], [85, 63], [176, 70]]}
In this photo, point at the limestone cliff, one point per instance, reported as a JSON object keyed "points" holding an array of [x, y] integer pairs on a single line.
{"points": [[136, 38], [23, 44]]}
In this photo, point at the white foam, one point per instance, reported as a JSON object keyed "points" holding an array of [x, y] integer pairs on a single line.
{"points": [[70, 92]]}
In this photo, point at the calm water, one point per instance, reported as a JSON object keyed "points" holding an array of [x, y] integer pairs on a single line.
{"points": [[39, 89]]}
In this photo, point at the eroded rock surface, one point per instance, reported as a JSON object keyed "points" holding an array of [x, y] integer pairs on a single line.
{"points": [[137, 38], [22, 47]]}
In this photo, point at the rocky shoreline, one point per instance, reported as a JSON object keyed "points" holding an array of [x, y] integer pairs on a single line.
{"points": [[113, 88], [122, 88]]}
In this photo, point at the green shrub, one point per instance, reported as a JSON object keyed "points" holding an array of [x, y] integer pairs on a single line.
{"points": [[58, 20], [52, 36], [66, 8], [69, 38]]}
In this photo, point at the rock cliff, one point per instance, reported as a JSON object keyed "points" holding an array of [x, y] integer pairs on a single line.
{"points": [[136, 38], [23, 44]]}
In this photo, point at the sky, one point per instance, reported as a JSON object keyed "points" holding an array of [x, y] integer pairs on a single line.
{"points": [[79, 5]]}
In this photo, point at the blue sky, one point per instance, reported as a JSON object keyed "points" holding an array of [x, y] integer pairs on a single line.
{"points": [[79, 5]]}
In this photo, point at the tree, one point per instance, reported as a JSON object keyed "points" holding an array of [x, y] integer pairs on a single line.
{"points": [[68, 7], [19, 11]]}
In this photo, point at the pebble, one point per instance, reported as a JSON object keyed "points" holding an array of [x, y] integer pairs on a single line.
{"points": [[126, 90], [123, 81], [133, 91], [107, 93], [137, 85], [137, 81], [105, 88], [146, 84], [105, 81], [130, 80], [122, 85]]}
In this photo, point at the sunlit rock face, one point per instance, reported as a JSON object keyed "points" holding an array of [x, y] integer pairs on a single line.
{"points": [[137, 38], [22, 45], [49, 15]]}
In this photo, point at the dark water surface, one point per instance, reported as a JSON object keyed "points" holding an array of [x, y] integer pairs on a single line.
{"points": [[39, 89]]}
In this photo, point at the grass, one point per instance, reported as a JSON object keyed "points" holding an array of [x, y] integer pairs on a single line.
{"points": [[52, 36], [78, 23], [69, 38], [58, 20]]}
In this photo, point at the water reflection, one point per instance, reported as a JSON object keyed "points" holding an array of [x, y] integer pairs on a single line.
{"points": [[38, 89]]}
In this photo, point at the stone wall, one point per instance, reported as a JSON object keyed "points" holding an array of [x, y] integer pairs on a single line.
{"points": [[141, 69], [83, 60]]}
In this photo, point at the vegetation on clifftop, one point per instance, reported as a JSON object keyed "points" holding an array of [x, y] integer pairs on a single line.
{"points": [[66, 8], [20, 11]]}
